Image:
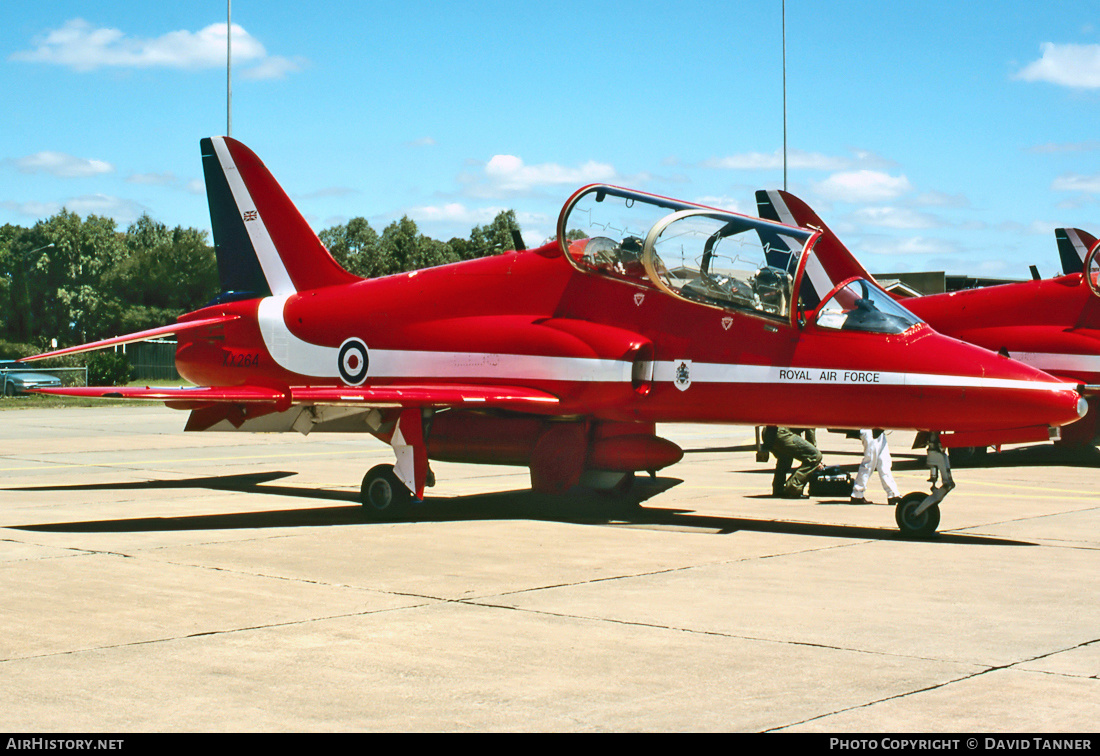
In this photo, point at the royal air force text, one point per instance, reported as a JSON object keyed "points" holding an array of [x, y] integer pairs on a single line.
{"points": [[828, 376]]}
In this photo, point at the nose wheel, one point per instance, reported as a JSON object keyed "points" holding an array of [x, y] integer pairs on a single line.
{"points": [[918, 514], [911, 523], [384, 497]]}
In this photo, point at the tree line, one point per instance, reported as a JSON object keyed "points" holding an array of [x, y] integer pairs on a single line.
{"points": [[77, 280]]}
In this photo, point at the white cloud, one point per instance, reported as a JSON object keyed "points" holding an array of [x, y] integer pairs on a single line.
{"points": [[904, 247], [1052, 148], [274, 67], [798, 160], [863, 186], [61, 165], [1075, 182], [454, 212], [1067, 65], [80, 46], [122, 210], [941, 199], [895, 217], [1043, 228], [724, 203], [509, 173], [760, 161], [37, 210]]}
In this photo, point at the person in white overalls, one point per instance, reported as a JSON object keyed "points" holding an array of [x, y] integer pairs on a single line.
{"points": [[876, 456]]}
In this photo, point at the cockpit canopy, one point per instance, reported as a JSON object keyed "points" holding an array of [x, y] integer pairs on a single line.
{"points": [[698, 253], [1092, 269], [722, 259], [860, 306]]}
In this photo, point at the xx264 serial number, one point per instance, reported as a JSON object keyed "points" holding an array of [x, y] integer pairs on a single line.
{"points": [[241, 359]]}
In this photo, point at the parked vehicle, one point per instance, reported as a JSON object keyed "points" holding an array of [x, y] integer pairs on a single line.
{"points": [[16, 378]]}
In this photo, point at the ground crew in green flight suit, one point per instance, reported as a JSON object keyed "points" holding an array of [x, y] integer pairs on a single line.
{"points": [[787, 444]]}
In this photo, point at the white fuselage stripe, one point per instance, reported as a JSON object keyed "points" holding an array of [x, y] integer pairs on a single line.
{"points": [[701, 372], [274, 270], [1049, 361], [312, 360]]}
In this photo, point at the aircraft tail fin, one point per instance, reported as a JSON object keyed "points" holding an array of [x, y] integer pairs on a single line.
{"points": [[1073, 245], [263, 244], [829, 263]]}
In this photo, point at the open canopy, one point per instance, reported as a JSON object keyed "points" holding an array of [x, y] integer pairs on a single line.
{"points": [[718, 258]]}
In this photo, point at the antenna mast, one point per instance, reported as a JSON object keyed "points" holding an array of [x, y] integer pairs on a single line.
{"points": [[784, 95], [229, 69]]}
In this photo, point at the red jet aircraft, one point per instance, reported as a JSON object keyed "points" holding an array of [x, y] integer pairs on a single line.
{"points": [[1051, 324], [563, 358]]}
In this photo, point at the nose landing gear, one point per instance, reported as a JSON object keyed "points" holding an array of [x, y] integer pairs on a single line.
{"points": [[918, 514]]}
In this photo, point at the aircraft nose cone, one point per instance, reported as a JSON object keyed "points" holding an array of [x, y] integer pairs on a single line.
{"points": [[1001, 393], [1082, 406]]}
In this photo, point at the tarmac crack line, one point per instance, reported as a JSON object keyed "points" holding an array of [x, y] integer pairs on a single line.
{"points": [[207, 633], [692, 631], [75, 551], [946, 683]]}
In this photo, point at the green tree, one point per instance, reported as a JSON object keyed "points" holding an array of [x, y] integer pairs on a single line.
{"points": [[165, 273], [355, 246], [494, 238], [401, 246]]}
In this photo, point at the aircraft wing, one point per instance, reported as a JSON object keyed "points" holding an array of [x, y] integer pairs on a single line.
{"points": [[425, 395], [201, 394], [419, 395], [130, 338]]}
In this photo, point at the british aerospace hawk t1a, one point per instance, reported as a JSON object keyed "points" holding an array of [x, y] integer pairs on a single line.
{"points": [[563, 358]]}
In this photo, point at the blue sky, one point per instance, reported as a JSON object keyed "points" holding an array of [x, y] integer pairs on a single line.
{"points": [[929, 135]]}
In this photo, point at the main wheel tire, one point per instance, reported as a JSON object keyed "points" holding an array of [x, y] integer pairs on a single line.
{"points": [[384, 497], [913, 525], [9, 390]]}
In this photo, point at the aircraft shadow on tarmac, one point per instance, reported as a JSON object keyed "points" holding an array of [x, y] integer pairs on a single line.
{"points": [[581, 507]]}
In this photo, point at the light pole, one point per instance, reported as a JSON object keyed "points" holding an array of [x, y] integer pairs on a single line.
{"points": [[229, 68], [784, 95]]}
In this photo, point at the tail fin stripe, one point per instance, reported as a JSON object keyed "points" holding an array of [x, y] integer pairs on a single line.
{"points": [[1073, 247], [819, 279], [278, 279]]}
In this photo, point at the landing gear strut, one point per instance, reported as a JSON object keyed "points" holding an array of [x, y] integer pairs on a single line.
{"points": [[918, 514]]}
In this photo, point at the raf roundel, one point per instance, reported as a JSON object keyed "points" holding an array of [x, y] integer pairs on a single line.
{"points": [[353, 361]]}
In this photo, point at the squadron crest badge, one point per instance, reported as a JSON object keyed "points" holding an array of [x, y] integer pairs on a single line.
{"points": [[682, 374]]}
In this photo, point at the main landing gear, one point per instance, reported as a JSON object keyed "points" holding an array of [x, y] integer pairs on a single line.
{"points": [[918, 514], [384, 497]]}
